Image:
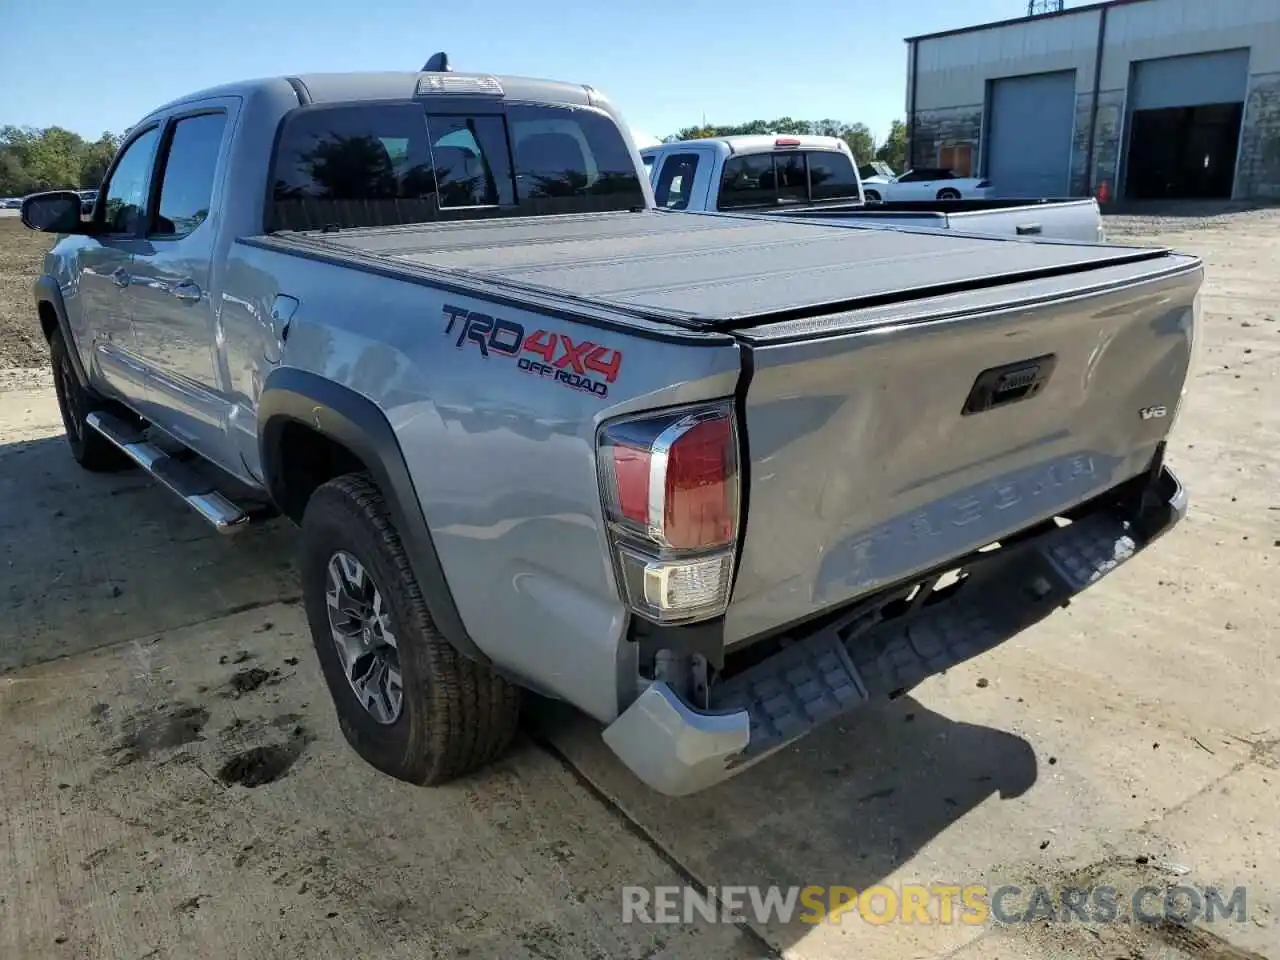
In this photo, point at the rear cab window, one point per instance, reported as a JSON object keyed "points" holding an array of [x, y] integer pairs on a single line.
{"points": [[790, 176], [364, 165]]}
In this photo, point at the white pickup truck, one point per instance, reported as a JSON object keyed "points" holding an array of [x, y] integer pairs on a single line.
{"points": [[815, 179]]}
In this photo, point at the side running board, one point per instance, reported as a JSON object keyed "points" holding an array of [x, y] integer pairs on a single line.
{"points": [[199, 493]]}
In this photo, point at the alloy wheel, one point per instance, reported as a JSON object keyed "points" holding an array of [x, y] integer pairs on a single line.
{"points": [[364, 636]]}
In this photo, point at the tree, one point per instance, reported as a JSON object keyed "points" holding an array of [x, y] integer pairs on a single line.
{"points": [[858, 136], [97, 158], [51, 158], [894, 150]]}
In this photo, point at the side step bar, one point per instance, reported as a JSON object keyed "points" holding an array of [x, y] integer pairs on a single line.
{"points": [[198, 492]]}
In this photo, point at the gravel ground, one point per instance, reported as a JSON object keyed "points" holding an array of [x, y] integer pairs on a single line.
{"points": [[175, 785]]}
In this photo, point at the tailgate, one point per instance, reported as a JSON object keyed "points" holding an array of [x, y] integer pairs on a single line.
{"points": [[886, 441]]}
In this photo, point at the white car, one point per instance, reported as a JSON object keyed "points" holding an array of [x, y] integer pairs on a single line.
{"points": [[926, 183]]}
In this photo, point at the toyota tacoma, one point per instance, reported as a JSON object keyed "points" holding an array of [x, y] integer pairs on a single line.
{"points": [[712, 479]]}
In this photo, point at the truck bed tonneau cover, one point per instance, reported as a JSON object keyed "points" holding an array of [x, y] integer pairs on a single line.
{"points": [[711, 270]]}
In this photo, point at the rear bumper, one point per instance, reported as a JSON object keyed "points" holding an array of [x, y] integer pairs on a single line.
{"points": [[878, 652]]}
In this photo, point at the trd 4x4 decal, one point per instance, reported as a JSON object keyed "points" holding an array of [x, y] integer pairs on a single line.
{"points": [[582, 365]]}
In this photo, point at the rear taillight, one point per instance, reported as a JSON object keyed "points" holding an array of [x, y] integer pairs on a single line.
{"points": [[670, 487]]}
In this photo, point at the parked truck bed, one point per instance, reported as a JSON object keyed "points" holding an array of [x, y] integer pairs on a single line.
{"points": [[713, 271], [814, 179], [1060, 219], [877, 444]]}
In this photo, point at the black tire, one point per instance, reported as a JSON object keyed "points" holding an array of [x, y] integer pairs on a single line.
{"points": [[457, 715], [871, 196], [948, 194], [90, 449]]}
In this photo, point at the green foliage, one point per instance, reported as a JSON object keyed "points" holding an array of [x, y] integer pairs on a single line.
{"points": [[52, 158], [894, 150], [862, 143]]}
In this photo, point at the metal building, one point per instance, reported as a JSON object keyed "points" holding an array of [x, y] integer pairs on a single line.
{"points": [[1154, 98]]}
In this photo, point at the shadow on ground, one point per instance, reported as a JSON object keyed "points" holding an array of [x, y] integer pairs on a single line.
{"points": [[87, 560], [848, 805]]}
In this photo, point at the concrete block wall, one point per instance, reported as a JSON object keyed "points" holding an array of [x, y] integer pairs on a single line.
{"points": [[937, 127], [1258, 172], [1107, 133]]}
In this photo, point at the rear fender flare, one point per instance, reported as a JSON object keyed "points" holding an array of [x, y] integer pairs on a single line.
{"points": [[47, 291], [355, 422]]}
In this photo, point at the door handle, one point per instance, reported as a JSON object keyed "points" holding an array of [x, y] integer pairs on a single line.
{"points": [[1029, 229], [120, 277], [186, 291]]}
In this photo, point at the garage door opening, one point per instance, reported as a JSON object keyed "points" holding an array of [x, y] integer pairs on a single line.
{"points": [[1183, 153], [1030, 120]]}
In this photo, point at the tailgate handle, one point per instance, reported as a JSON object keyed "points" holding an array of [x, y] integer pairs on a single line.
{"points": [[1029, 229], [1001, 386]]}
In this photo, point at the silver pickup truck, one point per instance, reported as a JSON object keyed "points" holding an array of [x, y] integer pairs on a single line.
{"points": [[814, 179], [714, 480]]}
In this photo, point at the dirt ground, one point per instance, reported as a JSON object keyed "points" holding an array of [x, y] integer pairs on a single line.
{"points": [[173, 783], [21, 253]]}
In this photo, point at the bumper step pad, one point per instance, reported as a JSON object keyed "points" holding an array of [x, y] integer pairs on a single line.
{"points": [[881, 655]]}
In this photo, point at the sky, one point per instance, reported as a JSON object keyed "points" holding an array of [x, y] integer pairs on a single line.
{"points": [[667, 64]]}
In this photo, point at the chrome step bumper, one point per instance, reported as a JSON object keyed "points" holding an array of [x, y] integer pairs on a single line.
{"points": [[865, 657]]}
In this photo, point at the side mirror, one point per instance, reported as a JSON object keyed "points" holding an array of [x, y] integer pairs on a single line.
{"points": [[57, 211]]}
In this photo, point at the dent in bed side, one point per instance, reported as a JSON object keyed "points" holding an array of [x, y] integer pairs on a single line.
{"points": [[505, 456], [354, 422], [501, 456]]}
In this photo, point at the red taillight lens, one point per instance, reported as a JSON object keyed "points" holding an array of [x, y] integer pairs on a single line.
{"points": [[631, 483], [700, 506], [786, 142], [673, 478], [670, 483]]}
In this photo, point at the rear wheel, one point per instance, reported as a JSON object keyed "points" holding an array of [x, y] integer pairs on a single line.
{"points": [[872, 196], [407, 702], [90, 449], [948, 194]]}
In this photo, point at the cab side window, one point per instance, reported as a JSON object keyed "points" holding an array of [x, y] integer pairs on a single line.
{"points": [[186, 187], [124, 199], [675, 182]]}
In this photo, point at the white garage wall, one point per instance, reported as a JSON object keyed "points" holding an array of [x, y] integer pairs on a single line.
{"points": [[1168, 28], [954, 70]]}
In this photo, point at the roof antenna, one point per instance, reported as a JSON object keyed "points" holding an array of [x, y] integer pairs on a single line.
{"points": [[439, 63]]}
